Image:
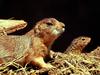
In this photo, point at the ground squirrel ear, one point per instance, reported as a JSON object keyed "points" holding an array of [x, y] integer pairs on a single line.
{"points": [[36, 29]]}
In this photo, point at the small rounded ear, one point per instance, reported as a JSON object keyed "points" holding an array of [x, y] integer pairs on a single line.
{"points": [[36, 29]]}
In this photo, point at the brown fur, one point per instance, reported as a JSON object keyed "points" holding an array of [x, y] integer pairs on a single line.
{"points": [[33, 46], [95, 52], [78, 44], [42, 30]]}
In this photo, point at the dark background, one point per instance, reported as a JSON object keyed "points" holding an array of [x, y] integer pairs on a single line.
{"points": [[80, 16]]}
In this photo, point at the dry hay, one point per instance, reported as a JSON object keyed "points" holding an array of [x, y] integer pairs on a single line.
{"points": [[64, 64], [73, 64]]}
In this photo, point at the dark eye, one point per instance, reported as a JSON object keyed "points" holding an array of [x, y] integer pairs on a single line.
{"points": [[83, 39], [49, 24]]}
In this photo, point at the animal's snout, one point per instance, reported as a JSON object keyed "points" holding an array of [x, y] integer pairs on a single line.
{"points": [[61, 27], [62, 24], [61, 30], [58, 31]]}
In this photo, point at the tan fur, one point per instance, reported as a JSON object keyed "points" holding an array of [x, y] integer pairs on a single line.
{"points": [[46, 30], [31, 48], [78, 44], [95, 52]]}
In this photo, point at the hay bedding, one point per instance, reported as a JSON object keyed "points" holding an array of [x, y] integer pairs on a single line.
{"points": [[64, 64]]}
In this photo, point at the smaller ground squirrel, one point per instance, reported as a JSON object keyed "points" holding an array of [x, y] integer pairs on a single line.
{"points": [[33, 46], [78, 44], [95, 52]]}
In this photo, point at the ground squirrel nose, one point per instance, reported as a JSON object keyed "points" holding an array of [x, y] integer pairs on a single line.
{"points": [[63, 29]]}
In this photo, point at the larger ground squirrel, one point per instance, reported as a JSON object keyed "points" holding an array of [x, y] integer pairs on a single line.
{"points": [[33, 46]]}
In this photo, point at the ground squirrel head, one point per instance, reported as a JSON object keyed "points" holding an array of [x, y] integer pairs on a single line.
{"points": [[95, 52], [81, 42], [50, 25], [78, 44], [49, 29]]}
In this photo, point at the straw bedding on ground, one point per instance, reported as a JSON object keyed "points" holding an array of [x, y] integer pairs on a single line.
{"points": [[64, 64]]}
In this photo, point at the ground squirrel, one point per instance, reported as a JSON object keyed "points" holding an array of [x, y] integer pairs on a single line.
{"points": [[95, 52], [78, 44], [45, 28], [33, 46]]}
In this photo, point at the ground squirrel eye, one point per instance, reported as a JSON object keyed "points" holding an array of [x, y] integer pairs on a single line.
{"points": [[49, 24], [83, 39]]}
